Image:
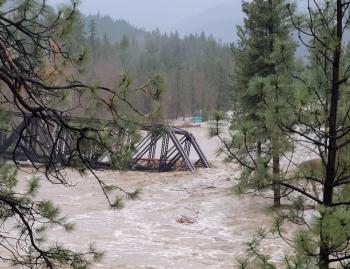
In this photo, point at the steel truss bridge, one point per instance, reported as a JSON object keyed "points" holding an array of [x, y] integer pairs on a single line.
{"points": [[163, 148]]}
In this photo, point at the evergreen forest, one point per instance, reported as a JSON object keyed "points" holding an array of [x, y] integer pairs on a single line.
{"points": [[195, 68]]}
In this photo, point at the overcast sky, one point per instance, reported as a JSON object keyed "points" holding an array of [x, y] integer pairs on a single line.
{"points": [[185, 16], [149, 13]]}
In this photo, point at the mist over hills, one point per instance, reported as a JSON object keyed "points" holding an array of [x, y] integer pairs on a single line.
{"points": [[115, 29], [219, 21], [223, 30], [218, 18]]}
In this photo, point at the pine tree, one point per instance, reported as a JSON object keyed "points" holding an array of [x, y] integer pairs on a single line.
{"points": [[40, 81], [124, 50], [93, 39], [323, 125], [316, 120], [261, 86], [106, 47]]}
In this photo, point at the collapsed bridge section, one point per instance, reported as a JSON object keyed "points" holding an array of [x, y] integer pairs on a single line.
{"points": [[166, 148], [163, 148]]}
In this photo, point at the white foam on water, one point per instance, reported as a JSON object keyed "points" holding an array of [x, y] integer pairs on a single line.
{"points": [[146, 234]]}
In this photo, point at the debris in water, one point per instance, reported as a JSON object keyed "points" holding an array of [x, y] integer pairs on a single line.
{"points": [[186, 220]]}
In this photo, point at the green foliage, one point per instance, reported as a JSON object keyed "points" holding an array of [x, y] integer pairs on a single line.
{"points": [[33, 186], [256, 258], [120, 160], [301, 108], [33, 219], [48, 210], [118, 203], [45, 49], [135, 195], [263, 60], [124, 43], [8, 178], [216, 124]]}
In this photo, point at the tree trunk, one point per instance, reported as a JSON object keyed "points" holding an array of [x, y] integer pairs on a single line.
{"points": [[332, 146], [177, 95], [276, 158], [276, 177], [324, 258], [259, 149]]}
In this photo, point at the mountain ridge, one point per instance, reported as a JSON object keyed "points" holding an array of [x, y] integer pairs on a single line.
{"points": [[219, 21]]}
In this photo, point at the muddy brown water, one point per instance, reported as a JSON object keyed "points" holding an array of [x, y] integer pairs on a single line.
{"points": [[147, 233]]}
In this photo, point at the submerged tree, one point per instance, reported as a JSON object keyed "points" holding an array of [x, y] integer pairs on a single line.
{"points": [[39, 82]]}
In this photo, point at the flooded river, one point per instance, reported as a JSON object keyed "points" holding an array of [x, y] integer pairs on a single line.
{"points": [[182, 219]]}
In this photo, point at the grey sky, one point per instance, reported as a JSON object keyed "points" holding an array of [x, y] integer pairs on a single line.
{"points": [[214, 17], [149, 13]]}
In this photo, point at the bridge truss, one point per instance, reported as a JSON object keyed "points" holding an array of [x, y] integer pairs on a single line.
{"points": [[163, 148], [166, 148]]}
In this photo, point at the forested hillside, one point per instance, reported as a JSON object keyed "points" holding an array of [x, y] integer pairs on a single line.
{"points": [[195, 68]]}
